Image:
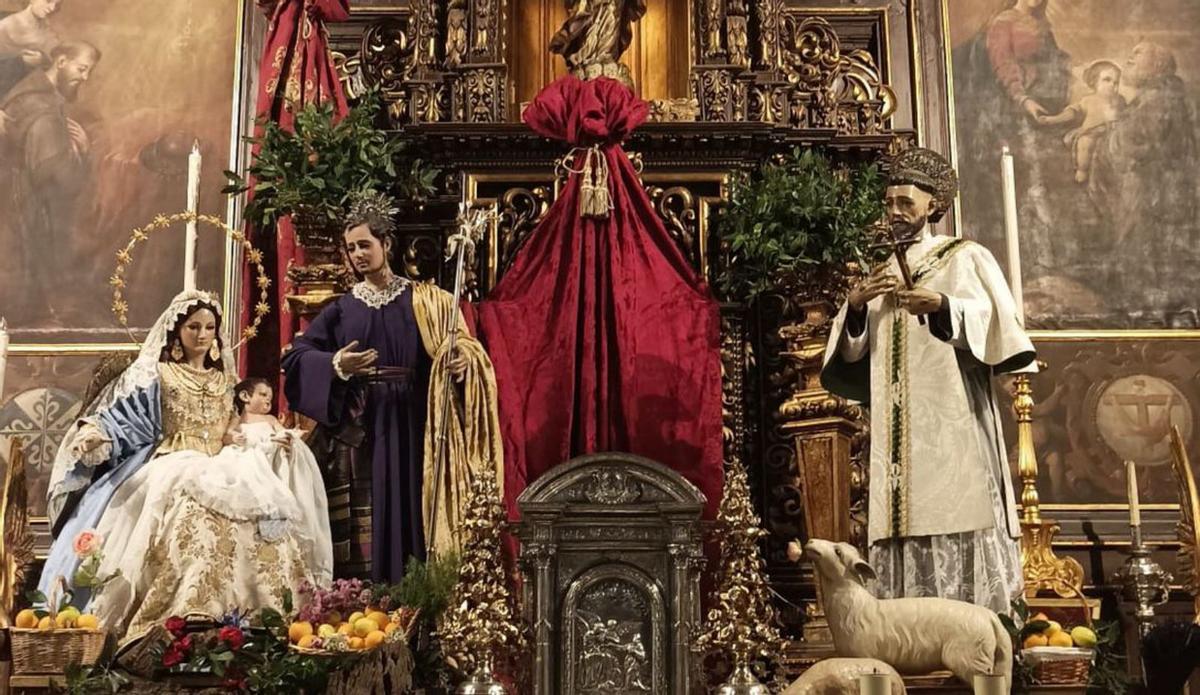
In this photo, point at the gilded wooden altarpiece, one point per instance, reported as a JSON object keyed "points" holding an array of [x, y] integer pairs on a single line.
{"points": [[761, 78]]}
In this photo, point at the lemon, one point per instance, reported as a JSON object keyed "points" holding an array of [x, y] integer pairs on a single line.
{"points": [[46, 623], [364, 627], [1054, 628], [27, 618], [326, 631], [1083, 637], [87, 621], [380, 618], [355, 617]]}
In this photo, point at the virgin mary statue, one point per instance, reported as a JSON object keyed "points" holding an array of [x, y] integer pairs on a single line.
{"points": [[192, 518]]}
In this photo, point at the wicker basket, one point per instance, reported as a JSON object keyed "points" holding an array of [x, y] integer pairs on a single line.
{"points": [[52, 651], [1060, 665]]}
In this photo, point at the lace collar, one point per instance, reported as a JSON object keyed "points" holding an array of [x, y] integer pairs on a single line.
{"points": [[367, 293]]}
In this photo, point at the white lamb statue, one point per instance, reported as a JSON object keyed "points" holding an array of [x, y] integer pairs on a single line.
{"points": [[915, 635], [840, 677]]}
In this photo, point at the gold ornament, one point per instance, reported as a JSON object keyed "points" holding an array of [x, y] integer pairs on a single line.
{"points": [[742, 622], [177, 350], [479, 628], [120, 308], [214, 351]]}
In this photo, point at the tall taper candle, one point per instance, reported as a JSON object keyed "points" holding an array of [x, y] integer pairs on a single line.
{"points": [[193, 202], [1135, 512], [1010, 231], [3, 354]]}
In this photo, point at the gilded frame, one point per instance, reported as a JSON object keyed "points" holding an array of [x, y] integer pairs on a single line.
{"points": [[932, 71], [242, 104]]}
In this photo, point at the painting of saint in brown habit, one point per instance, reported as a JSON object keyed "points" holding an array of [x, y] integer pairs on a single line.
{"points": [[97, 115], [1097, 101]]}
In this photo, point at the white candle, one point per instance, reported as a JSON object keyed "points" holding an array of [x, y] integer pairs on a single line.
{"points": [[1010, 231], [3, 354], [875, 684], [986, 684], [1135, 512], [193, 202]]}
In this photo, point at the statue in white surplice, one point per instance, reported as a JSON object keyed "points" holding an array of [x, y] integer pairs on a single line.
{"points": [[942, 517]]}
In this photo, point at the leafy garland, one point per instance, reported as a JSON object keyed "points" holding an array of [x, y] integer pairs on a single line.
{"points": [[795, 225]]}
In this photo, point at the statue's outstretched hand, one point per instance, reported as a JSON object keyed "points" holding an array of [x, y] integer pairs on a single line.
{"points": [[353, 363]]}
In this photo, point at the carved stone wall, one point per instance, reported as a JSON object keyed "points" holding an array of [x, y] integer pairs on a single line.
{"points": [[611, 554]]}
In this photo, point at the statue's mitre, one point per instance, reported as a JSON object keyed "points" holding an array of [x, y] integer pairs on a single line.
{"points": [[929, 171]]}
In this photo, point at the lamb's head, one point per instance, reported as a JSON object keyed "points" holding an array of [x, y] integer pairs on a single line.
{"points": [[838, 562]]}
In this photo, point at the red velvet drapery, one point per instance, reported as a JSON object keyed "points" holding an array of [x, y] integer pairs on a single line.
{"points": [[296, 70], [602, 336]]}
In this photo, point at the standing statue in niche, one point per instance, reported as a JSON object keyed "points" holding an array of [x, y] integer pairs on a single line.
{"points": [[595, 35]]}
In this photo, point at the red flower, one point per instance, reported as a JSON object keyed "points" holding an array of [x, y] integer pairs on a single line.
{"points": [[232, 636], [176, 625], [173, 656]]}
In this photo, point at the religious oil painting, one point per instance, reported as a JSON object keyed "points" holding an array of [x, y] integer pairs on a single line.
{"points": [[1097, 102], [100, 104], [1101, 403]]}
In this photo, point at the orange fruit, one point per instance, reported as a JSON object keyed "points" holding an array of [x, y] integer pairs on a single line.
{"points": [[46, 623], [1061, 639], [374, 639], [356, 643], [298, 631], [1036, 641], [26, 619], [346, 629], [391, 627], [380, 618], [87, 621], [307, 641]]}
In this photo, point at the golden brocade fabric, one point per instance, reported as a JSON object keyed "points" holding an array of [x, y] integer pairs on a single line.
{"points": [[212, 563], [471, 427], [196, 407]]}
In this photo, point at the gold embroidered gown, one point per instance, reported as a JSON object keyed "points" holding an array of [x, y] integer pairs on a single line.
{"points": [[206, 529]]}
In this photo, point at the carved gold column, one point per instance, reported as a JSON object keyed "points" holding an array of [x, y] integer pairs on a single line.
{"points": [[1042, 568], [823, 429]]}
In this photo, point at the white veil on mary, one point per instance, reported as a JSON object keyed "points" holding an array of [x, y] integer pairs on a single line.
{"points": [[139, 375]]}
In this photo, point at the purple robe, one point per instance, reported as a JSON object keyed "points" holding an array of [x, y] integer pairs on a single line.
{"points": [[370, 435]]}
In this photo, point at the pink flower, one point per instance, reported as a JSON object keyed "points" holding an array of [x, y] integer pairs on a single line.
{"points": [[87, 543]]}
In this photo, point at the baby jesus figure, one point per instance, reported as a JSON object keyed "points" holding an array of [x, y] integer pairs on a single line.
{"points": [[1095, 113]]}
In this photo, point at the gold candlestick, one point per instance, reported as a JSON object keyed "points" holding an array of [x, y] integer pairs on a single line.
{"points": [[1042, 568]]}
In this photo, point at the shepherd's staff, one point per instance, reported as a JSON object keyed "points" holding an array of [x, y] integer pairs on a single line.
{"points": [[460, 245]]}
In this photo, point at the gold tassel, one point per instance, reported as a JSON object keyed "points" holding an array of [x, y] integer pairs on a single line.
{"points": [[595, 201]]}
